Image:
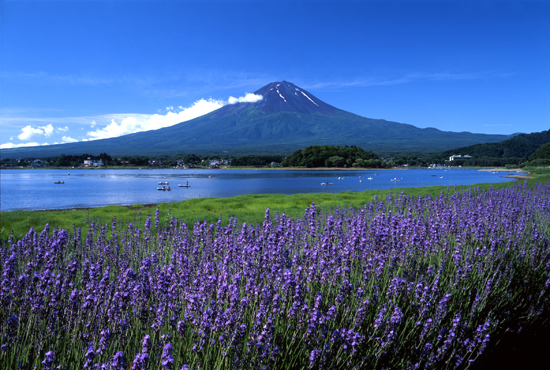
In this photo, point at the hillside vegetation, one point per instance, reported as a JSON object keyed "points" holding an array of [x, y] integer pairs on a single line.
{"points": [[332, 156], [541, 157], [511, 151]]}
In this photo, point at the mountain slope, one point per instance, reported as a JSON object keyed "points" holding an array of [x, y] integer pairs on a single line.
{"points": [[519, 146], [287, 118]]}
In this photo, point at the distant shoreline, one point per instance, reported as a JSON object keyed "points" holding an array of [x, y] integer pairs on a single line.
{"points": [[517, 177]]}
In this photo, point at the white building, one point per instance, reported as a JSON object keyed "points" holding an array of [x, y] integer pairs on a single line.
{"points": [[454, 157]]}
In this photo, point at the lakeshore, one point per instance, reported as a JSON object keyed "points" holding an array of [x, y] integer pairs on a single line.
{"points": [[245, 208], [61, 189]]}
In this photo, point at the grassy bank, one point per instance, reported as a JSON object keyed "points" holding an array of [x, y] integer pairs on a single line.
{"points": [[247, 208]]}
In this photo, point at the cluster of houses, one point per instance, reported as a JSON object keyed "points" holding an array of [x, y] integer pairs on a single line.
{"points": [[215, 163], [40, 163], [93, 162]]}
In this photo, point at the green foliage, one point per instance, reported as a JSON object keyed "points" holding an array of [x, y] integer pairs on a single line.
{"points": [[541, 157], [332, 156], [509, 151]]}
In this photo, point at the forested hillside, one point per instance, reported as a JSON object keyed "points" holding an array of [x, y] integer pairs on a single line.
{"points": [[541, 157], [332, 156], [520, 146], [510, 151]]}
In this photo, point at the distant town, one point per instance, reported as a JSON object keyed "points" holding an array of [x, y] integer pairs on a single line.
{"points": [[192, 161]]}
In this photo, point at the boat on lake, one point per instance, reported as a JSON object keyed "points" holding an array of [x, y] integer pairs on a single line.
{"points": [[163, 183], [164, 188], [59, 182], [369, 178], [326, 183], [184, 186]]}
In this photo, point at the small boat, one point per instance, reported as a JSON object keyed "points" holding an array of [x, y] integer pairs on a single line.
{"points": [[59, 182], [164, 188], [163, 183], [326, 183], [361, 180], [185, 186], [440, 177], [369, 178]]}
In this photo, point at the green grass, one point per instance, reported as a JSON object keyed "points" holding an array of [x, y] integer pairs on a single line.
{"points": [[247, 208]]}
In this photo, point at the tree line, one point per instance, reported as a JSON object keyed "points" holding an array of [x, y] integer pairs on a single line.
{"points": [[333, 156]]}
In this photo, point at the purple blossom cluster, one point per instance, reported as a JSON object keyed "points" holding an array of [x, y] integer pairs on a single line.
{"points": [[405, 282]]}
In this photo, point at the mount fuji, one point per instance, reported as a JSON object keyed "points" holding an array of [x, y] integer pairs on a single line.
{"points": [[286, 118]]}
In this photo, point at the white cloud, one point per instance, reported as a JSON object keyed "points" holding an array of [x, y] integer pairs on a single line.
{"points": [[118, 124], [146, 122], [12, 145], [248, 98], [62, 129], [28, 131], [68, 139]]}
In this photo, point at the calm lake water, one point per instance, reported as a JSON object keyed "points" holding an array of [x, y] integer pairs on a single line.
{"points": [[35, 189]]}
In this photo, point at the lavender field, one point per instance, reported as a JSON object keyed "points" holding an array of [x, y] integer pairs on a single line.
{"points": [[402, 283]]}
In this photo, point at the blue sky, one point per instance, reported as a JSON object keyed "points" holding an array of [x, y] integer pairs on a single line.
{"points": [[84, 70]]}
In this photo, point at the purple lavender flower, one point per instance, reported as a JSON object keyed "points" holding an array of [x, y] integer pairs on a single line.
{"points": [[117, 362], [146, 344], [48, 360], [140, 361], [90, 354], [167, 359]]}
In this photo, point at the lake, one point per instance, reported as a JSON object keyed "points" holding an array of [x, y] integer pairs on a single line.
{"points": [[34, 189]]}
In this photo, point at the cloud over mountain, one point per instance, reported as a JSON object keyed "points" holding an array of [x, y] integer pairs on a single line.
{"points": [[248, 98], [145, 122]]}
